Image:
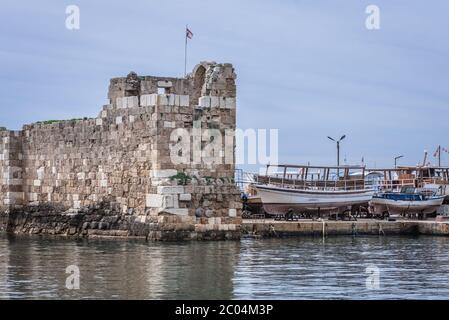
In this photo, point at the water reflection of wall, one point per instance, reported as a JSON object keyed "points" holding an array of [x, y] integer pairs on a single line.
{"points": [[193, 270], [35, 268], [411, 267], [4, 263]]}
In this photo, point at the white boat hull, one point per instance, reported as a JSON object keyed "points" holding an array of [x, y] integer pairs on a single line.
{"points": [[278, 200], [400, 207]]}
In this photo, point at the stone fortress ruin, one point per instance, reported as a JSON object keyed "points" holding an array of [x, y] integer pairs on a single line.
{"points": [[115, 175]]}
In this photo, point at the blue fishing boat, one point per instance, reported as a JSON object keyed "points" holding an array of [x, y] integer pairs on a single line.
{"points": [[408, 201]]}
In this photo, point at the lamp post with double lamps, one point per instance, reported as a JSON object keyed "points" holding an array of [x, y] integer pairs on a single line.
{"points": [[338, 152], [396, 160]]}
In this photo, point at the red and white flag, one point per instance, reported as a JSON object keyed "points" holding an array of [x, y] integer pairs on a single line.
{"points": [[189, 34], [436, 152]]}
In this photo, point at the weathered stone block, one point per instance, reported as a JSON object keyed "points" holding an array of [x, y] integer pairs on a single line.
{"points": [[171, 99], [222, 102], [167, 201], [170, 189], [185, 197], [167, 173], [230, 103], [162, 100], [119, 103], [214, 102], [164, 84], [154, 200], [169, 124], [204, 102], [133, 102], [178, 212]]}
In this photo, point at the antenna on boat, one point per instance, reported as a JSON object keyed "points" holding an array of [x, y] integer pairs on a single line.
{"points": [[438, 154]]}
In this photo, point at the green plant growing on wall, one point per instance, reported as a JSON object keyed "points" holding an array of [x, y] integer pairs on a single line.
{"points": [[209, 180], [182, 178], [49, 121], [56, 121]]}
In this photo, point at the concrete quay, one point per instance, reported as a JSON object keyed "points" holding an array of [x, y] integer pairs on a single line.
{"points": [[267, 228]]}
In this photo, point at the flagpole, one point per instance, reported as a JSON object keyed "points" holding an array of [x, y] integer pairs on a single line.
{"points": [[185, 54]]}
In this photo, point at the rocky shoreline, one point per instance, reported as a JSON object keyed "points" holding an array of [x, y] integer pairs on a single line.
{"points": [[99, 223]]}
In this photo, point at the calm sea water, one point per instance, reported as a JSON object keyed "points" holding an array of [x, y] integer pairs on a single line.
{"points": [[306, 268]]}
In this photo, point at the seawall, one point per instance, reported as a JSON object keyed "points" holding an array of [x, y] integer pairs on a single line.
{"points": [[270, 228], [97, 224], [171, 228]]}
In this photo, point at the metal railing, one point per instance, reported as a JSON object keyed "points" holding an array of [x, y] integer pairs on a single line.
{"points": [[243, 179], [334, 185]]}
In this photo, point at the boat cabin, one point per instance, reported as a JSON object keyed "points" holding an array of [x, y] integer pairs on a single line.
{"points": [[316, 177], [416, 177]]}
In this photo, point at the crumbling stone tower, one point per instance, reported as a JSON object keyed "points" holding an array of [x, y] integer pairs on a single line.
{"points": [[115, 174]]}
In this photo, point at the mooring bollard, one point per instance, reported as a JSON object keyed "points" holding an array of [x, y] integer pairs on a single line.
{"points": [[324, 228]]}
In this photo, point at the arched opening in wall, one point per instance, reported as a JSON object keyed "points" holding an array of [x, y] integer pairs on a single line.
{"points": [[198, 82]]}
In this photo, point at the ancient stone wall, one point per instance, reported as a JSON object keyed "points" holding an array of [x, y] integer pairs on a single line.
{"points": [[11, 183], [123, 163], [82, 163], [3, 169]]}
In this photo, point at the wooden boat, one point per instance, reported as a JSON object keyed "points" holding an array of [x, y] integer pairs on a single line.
{"points": [[298, 192], [417, 176], [252, 203], [279, 200], [426, 177], [402, 203], [255, 202]]}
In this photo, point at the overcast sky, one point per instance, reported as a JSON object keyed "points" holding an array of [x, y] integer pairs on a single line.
{"points": [[307, 68]]}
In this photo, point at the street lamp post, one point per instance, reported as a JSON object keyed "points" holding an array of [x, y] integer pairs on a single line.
{"points": [[396, 160], [338, 152]]}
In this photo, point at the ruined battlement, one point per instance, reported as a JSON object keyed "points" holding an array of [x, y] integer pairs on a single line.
{"points": [[126, 167], [206, 79]]}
